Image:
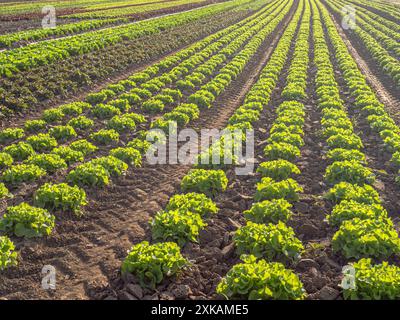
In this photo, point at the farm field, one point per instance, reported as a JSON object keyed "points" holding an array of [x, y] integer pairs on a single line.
{"points": [[200, 150]]}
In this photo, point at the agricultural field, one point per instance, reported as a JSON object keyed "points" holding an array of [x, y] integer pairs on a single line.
{"points": [[200, 150]]}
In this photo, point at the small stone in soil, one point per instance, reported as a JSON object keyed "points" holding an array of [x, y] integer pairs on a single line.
{"points": [[305, 264], [181, 291], [166, 295], [126, 296], [228, 250], [135, 289], [308, 230], [327, 293]]}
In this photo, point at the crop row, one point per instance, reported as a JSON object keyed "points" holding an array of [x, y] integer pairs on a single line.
{"points": [[49, 51], [388, 64], [34, 87], [97, 171], [36, 6], [386, 38], [183, 217], [383, 8], [365, 100], [363, 228], [183, 222], [119, 121], [266, 235], [11, 39], [186, 71], [174, 67], [391, 28], [130, 10]]}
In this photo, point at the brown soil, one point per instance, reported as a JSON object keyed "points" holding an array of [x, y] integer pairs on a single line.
{"points": [[384, 86], [18, 119], [377, 156], [214, 255], [87, 252], [139, 16]]}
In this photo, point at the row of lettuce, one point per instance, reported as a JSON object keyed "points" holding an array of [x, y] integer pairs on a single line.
{"points": [[150, 93], [364, 230], [365, 99], [132, 10], [254, 279], [26, 220], [12, 39], [186, 214], [49, 51], [266, 243], [362, 30], [388, 37], [388, 9]]}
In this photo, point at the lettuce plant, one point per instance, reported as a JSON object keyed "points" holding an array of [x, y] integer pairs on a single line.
{"points": [[278, 169], [121, 104], [104, 136], [105, 111], [83, 146], [11, 134], [260, 280], [60, 197], [347, 191], [374, 281], [344, 141], [153, 106], [348, 171], [269, 189], [24, 220], [22, 173], [139, 144], [359, 238], [209, 182], [340, 154], [74, 109], [89, 174], [8, 255], [49, 162], [53, 115], [129, 155], [150, 263], [347, 210], [81, 123], [285, 137], [42, 142], [34, 126], [121, 124], [68, 154], [271, 241], [193, 202], [113, 165], [3, 191], [177, 225], [95, 98], [281, 150], [5, 160], [19, 151], [269, 211]]}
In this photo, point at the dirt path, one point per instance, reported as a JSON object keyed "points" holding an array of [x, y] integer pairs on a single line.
{"points": [[213, 256], [87, 252], [387, 93]]}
